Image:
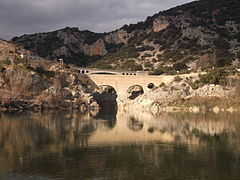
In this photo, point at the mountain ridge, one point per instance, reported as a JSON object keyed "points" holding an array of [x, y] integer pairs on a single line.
{"points": [[196, 35]]}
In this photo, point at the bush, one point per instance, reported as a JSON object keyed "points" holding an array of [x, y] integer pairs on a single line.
{"points": [[179, 66], [154, 60], [216, 76], [6, 61], [23, 61], [132, 66], [177, 79], [148, 64], [145, 48], [195, 85]]}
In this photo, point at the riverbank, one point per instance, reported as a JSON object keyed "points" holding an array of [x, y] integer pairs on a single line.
{"points": [[184, 94]]}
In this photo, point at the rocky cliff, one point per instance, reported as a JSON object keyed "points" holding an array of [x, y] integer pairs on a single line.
{"points": [[37, 84]]}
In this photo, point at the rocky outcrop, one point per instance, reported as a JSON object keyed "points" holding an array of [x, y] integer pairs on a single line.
{"points": [[96, 49], [118, 37], [159, 24], [175, 96], [22, 89]]}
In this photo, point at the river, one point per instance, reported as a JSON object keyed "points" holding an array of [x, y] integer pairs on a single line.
{"points": [[119, 146]]}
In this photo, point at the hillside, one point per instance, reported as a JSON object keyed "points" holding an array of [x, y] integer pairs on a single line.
{"points": [[10, 53], [197, 35]]}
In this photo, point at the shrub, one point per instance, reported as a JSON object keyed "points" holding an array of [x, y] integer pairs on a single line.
{"points": [[195, 85], [215, 76], [154, 60], [23, 61], [131, 65], [145, 48], [6, 61], [177, 79], [179, 66], [148, 64]]}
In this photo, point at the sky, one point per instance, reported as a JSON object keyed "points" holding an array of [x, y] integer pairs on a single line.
{"points": [[18, 17]]}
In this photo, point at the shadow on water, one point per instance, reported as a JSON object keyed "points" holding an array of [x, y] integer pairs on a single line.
{"points": [[119, 145]]}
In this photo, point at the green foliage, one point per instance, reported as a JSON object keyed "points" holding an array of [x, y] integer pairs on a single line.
{"points": [[131, 65], [160, 57], [6, 61], [113, 48], [220, 43], [164, 70], [195, 85], [146, 55], [18, 60], [179, 66], [102, 65], [145, 48], [147, 64], [154, 60], [223, 57], [173, 55], [215, 76]]}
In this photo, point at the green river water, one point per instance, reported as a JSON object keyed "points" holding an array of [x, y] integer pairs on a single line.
{"points": [[119, 146]]}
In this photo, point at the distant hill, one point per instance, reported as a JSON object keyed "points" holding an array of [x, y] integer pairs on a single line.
{"points": [[196, 35]]}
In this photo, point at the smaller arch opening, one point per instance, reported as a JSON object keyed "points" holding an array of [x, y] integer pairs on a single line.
{"points": [[123, 73], [126, 73], [134, 74], [150, 86], [134, 91], [83, 72], [87, 72], [79, 71], [131, 74]]}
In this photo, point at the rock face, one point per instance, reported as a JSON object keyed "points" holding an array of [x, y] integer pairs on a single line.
{"points": [[160, 24], [96, 49], [196, 35], [22, 89], [172, 96]]}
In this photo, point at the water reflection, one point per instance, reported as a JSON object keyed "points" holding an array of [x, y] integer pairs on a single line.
{"points": [[71, 145]]}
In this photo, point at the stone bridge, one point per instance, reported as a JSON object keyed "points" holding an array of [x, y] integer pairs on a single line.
{"points": [[121, 81]]}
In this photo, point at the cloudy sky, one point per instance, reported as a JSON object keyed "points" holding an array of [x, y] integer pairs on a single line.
{"points": [[19, 17]]}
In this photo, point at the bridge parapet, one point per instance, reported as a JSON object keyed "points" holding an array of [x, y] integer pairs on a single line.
{"points": [[89, 71]]}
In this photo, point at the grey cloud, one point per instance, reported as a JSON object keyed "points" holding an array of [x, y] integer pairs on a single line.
{"points": [[18, 17]]}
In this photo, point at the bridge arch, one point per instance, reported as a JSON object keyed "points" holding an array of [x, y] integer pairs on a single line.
{"points": [[122, 83], [134, 91], [106, 97]]}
